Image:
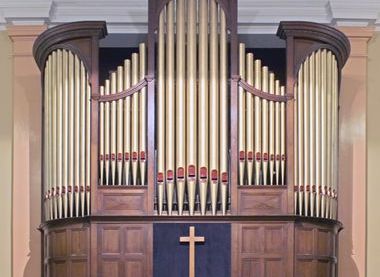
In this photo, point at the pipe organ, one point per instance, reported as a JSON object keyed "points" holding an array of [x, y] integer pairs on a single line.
{"points": [[192, 127]]}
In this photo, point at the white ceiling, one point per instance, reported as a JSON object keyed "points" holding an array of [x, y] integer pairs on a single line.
{"points": [[130, 16]]}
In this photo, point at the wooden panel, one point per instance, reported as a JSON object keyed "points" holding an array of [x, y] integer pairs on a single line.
{"points": [[125, 249], [79, 246], [262, 250], [134, 268], [305, 240], [68, 251], [134, 240], [122, 202], [59, 269], [274, 268], [325, 246], [262, 201], [59, 244], [315, 250], [248, 243], [251, 268], [110, 241], [110, 268], [305, 268], [79, 268]]}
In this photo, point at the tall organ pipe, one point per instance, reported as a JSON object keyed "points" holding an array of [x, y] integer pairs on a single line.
{"points": [[59, 133], [113, 130], [180, 99], [82, 137], [258, 129], [71, 133], [223, 137], [101, 139], [242, 120], [161, 114], [191, 108], [127, 123], [203, 149], [119, 127], [214, 107], [65, 131], [271, 130], [107, 134], [135, 119], [250, 120], [170, 106], [264, 125], [142, 115]]}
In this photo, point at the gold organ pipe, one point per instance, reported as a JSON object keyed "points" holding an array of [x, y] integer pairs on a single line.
{"points": [[170, 105], [214, 106], [83, 137], [119, 127], [335, 145], [282, 131], [271, 130], [59, 132], [329, 125], [312, 131], [161, 113], [264, 126], [71, 133], [250, 120], [323, 130], [242, 119], [51, 142], [142, 119], [223, 113], [88, 146], [258, 130], [300, 139], [203, 150], [54, 132], [101, 137], [113, 129], [77, 134], [306, 97], [317, 131], [297, 190], [277, 134], [191, 109], [107, 133], [127, 123], [135, 119], [46, 139], [180, 99], [65, 131]]}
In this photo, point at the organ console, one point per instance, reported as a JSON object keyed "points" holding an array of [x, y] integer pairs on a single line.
{"points": [[192, 127]]}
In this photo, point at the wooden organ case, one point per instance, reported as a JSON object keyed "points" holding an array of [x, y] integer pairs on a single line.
{"points": [[192, 128]]}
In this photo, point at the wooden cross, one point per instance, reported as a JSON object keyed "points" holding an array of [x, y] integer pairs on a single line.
{"points": [[192, 239]]}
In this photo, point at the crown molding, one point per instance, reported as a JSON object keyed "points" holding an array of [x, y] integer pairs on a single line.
{"points": [[131, 16]]}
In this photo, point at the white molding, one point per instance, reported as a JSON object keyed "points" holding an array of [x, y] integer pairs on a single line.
{"points": [[131, 16]]}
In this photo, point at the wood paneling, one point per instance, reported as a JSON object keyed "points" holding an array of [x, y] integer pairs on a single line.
{"points": [[117, 201], [124, 249], [262, 201], [261, 249], [67, 251], [315, 250]]}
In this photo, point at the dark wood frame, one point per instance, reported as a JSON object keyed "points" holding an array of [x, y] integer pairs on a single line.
{"points": [[302, 38]]}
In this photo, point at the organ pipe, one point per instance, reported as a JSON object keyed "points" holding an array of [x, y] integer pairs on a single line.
{"points": [[214, 107], [135, 119], [142, 115], [180, 98], [161, 114], [127, 123], [170, 106], [191, 108], [119, 126], [203, 103], [242, 121]]}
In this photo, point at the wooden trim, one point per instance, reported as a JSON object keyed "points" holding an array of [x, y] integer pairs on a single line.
{"points": [[125, 93], [264, 95]]}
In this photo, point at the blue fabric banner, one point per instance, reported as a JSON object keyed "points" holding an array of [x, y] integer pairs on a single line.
{"points": [[171, 257]]}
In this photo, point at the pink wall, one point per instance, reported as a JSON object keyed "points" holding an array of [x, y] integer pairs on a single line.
{"points": [[26, 210], [353, 156]]}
